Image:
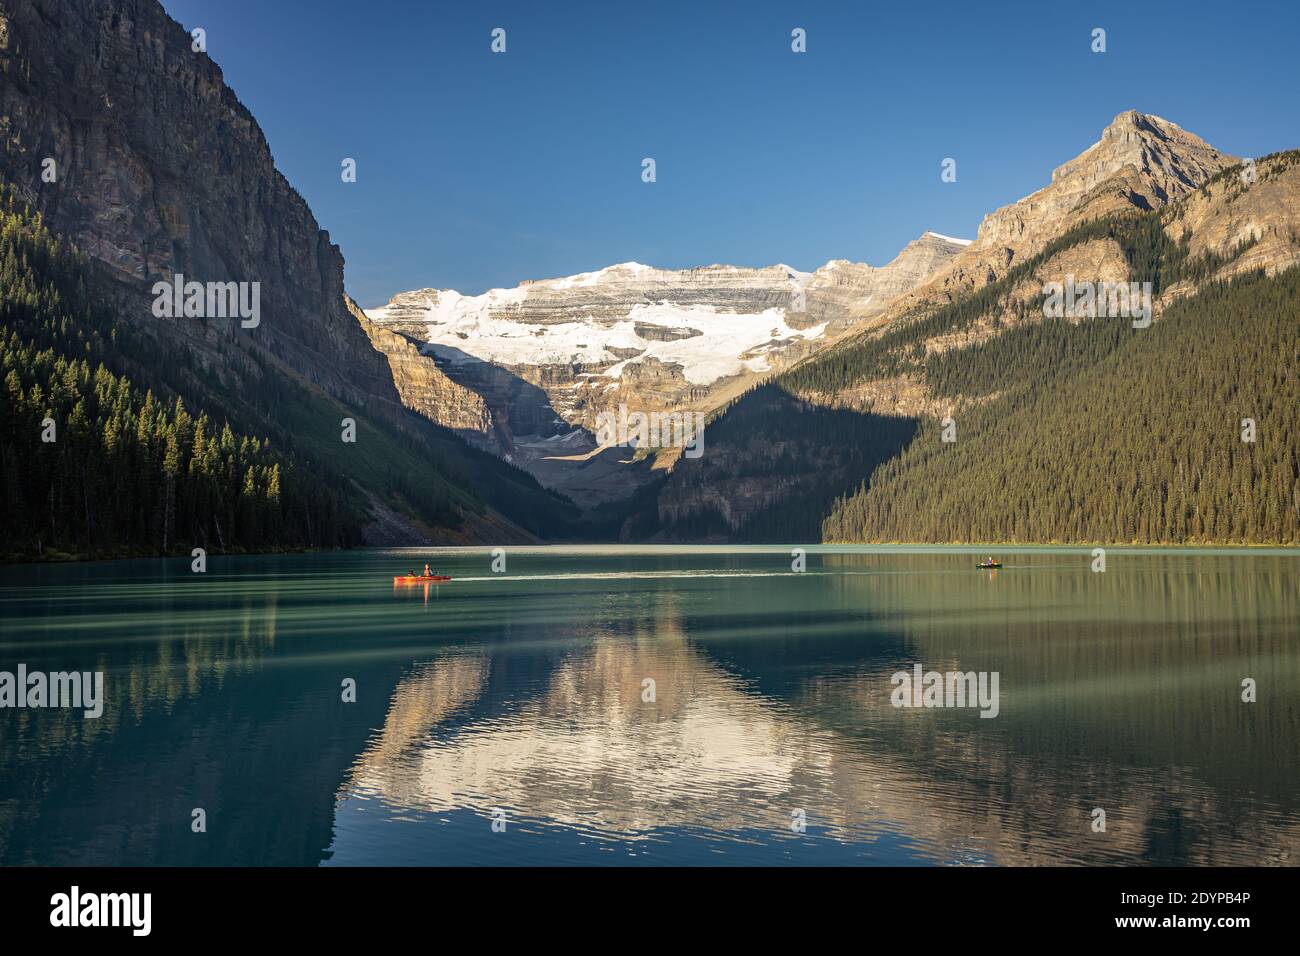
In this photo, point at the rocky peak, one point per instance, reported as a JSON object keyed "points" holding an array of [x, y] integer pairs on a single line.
{"points": [[1173, 159], [927, 253], [844, 293], [1140, 161]]}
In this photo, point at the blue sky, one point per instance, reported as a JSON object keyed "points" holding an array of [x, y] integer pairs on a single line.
{"points": [[477, 170]]}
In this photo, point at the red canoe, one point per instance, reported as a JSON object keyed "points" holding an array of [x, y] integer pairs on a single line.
{"points": [[421, 579]]}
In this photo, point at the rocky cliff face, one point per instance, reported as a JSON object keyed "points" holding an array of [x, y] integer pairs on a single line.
{"points": [[424, 388], [1258, 204], [161, 170], [844, 293]]}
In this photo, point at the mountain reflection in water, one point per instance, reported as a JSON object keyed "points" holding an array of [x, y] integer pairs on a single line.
{"points": [[525, 693]]}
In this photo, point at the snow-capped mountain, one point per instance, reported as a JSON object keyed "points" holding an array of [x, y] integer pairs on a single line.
{"points": [[710, 323], [526, 371]]}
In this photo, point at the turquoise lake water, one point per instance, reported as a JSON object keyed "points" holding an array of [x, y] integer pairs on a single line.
{"points": [[522, 697]]}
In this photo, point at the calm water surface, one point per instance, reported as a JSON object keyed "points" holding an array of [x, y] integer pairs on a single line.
{"points": [[523, 692]]}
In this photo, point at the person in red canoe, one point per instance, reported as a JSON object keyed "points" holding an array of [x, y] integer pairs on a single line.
{"points": [[427, 572]]}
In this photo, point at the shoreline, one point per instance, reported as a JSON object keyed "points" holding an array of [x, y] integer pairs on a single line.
{"points": [[900, 547]]}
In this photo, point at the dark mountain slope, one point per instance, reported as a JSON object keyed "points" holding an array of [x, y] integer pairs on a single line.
{"points": [[91, 464], [158, 170]]}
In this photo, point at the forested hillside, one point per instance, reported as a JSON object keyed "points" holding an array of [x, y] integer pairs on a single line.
{"points": [[152, 452], [1109, 434]]}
